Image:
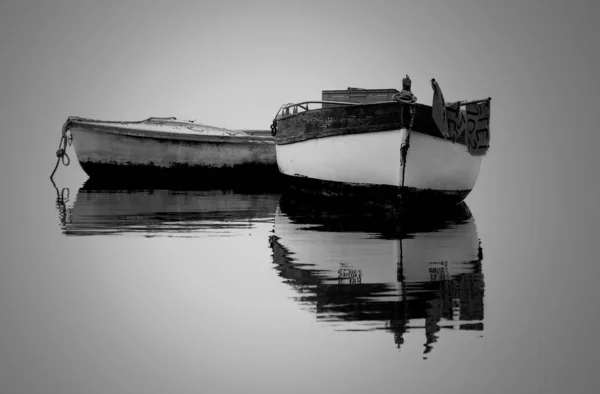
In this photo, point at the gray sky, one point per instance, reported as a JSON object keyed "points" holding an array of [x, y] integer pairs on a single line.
{"points": [[234, 62]]}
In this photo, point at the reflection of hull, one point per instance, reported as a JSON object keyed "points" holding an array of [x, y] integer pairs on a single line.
{"points": [[100, 210], [360, 267]]}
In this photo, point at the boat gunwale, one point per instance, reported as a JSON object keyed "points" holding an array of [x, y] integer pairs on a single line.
{"points": [[421, 126], [113, 128], [342, 105]]}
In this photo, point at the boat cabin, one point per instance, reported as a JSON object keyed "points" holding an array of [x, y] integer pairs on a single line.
{"points": [[358, 95], [334, 98]]}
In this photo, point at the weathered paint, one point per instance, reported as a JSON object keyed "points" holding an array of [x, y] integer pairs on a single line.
{"points": [[375, 159], [369, 158], [354, 119], [361, 145], [167, 149], [435, 163]]}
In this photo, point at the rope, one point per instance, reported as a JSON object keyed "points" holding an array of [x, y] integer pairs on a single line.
{"points": [[66, 139], [405, 97], [61, 153], [274, 128]]}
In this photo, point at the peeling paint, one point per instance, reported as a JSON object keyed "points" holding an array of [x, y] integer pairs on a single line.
{"points": [[120, 153], [355, 119]]}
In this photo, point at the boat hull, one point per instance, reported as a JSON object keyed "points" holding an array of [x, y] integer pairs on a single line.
{"points": [[369, 166], [147, 150], [384, 149], [384, 196]]}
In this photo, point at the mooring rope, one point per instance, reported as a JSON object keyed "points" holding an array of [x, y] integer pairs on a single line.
{"points": [[66, 138], [61, 153], [405, 97]]}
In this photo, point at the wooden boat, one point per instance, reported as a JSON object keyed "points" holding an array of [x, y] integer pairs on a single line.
{"points": [[360, 270], [169, 147], [382, 145]]}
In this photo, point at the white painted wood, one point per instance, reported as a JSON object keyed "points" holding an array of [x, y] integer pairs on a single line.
{"points": [[438, 164], [374, 158], [164, 146], [368, 158]]}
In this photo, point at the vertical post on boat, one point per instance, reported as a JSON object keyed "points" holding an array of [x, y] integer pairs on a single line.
{"points": [[406, 97]]}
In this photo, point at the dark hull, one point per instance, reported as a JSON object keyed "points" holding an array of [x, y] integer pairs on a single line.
{"points": [[136, 174], [174, 150], [385, 196], [355, 119]]}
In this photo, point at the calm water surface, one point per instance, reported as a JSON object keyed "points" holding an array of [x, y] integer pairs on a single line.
{"points": [[225, 289]]}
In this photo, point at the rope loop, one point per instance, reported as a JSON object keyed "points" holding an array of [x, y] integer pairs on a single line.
{"points": [[274, 128], [65, 159], [405, 97], [66, 139], [61, 153]]}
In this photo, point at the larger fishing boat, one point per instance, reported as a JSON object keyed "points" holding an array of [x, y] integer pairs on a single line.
{"points": [[382, 145]]}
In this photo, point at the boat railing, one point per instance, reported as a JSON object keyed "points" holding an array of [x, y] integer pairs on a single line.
{"points": [[294, 108], [467, 102]]}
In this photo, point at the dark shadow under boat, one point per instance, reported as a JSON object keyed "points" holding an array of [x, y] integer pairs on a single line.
{"points": [[360, 269], [238, 182]]}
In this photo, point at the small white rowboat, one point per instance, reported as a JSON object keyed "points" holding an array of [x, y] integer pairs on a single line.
{"points": [[168, 147]]}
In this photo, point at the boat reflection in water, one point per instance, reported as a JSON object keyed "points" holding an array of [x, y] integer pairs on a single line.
{"points": [[103, 207], [366, 270]]}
